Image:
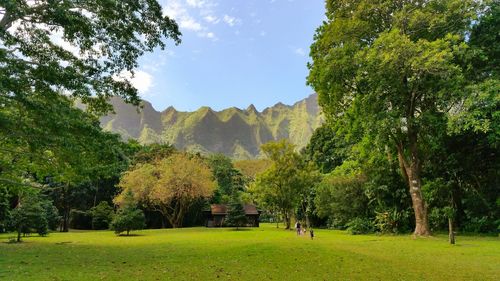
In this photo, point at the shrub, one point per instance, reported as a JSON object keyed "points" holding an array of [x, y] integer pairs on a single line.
{"points": [[101, 215], [128, 216], [390, 221], [360, 226], [480, 225]]}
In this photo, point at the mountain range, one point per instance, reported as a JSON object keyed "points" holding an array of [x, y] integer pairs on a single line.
{"points": [[237, 133]]}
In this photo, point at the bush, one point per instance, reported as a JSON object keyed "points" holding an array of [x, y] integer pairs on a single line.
{"points": [[101, 215], [480, 225], [360, 226], [390, 221], [128, 216]]}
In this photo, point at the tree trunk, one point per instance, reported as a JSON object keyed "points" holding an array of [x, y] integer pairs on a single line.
{"points": [[451, 234], [19, 230], [419, 208], [287, 219], [411, 171], [65, 222], [66, 208]]}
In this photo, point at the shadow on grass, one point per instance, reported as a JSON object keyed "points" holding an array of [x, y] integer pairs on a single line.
{"points": [[240, 229]]}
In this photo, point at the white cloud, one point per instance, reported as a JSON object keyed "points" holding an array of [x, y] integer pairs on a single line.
{"points": [[174, 9], [231, 21], [141, 80], [183, 12], [190, 24], [209, 35], [211, 19], [299, 51], [263, 33], [196, 3]]}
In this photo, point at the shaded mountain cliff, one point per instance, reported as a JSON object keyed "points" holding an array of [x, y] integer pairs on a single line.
{"points": [[234, 132]]}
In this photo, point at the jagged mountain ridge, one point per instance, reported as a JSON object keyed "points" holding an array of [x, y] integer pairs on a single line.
{"points": [[237, 133]]}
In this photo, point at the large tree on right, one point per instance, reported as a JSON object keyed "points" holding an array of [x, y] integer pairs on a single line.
{"points": [[393, 69]]}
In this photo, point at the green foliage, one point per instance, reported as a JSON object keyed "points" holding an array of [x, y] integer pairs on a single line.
{"points": [[29, 215], [43, 137], [341, 198], [52, 215], [236, 214], [4, 207], [392, 72], [326, 149], [390, 221], [128, 217], [34, 62], [286, 183], [360, 226], [230, 181], [150, 153], [101, 215], [170, 186]]}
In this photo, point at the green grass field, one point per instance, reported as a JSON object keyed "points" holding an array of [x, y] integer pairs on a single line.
{"points": [[264, 253]]}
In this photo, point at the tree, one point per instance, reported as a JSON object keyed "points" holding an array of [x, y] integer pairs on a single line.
{"points": [[390, 69], [169, 186], [101, 215], [283, 186], [236, 215], [29, 215], [229, 180], [85, 48], [326, 149], [128, 217], [54, 52]]}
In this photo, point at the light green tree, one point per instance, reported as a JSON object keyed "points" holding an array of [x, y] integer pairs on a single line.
{"points": [[128, 217], [286, 183]]}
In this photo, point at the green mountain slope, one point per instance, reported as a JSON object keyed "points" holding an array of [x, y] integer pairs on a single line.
{"points": [[234, 132]]}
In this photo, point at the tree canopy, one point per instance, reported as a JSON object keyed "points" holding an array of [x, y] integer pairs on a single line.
{"points": [[87, 48], [392, 70], [170, 185]]}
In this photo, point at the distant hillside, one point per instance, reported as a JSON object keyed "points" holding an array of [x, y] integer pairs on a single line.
{"points": [[234, 132]]}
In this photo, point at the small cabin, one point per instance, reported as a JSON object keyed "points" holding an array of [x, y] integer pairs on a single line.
{"points": [[218, 212]]}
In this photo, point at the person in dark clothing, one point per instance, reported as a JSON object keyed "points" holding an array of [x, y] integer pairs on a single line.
{"points": [[311, 232], [298, 226]]}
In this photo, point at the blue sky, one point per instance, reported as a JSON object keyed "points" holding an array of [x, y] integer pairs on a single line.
{"points": [[233, 53]]}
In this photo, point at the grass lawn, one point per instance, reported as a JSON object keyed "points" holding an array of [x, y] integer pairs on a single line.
{"points": [[264, 253]]}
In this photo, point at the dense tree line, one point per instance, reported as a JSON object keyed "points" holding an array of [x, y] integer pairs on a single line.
{"points": [[410, 92]]}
